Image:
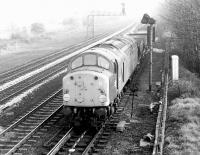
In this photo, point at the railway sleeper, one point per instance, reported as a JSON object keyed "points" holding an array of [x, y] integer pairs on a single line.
{"points": [[34, 118], [25, 126], [29, 123], [18, 153], [39, 112], [43, 130], [79, 149], [23, 149], [98, 149], [21, 130], [52, 105], [6, 145], [26, 145], [100, 145], [47, 126], [32, 140], [51, 123], [55, 102], [82, 144], [21, 134], [103, 140], [41, 115], [16, 140], [20, 137], [36, 136]]}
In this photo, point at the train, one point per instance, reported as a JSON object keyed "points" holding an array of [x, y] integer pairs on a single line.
{"points": [[97, 77]]}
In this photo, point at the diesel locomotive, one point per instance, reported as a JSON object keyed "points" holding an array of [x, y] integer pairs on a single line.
{"points": [[96, 78]]}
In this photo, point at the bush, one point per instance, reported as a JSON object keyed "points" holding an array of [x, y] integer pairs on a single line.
{"points": [[183, 89], [20, 35], [184, 113], [184, 109]]}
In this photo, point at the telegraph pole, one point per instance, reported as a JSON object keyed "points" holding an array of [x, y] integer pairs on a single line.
{"points": [[150, 44]]}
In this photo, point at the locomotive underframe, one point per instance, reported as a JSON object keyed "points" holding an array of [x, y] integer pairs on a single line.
{"points": [[89, 116]]}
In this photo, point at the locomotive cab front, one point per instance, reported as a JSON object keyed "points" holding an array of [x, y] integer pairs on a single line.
{"points": [[90, 84]]}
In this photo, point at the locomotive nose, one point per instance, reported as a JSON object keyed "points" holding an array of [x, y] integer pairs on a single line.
{"points": [[85, 89]]}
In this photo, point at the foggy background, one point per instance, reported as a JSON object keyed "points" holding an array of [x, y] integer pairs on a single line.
{"points": [[18, 15]]}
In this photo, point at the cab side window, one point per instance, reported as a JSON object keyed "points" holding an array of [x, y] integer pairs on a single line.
{"points": [[77, 62], [102, 62]]}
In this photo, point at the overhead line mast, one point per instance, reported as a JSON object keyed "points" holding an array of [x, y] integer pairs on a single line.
{"points": [[91, 20]]}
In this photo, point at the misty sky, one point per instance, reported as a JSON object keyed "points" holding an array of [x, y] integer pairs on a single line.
{"points": [[24, 12], [27, 11]]}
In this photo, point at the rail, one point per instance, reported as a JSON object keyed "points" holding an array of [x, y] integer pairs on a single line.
{"points": [[57, 147], [91, 144], [31, 112], [22, 141], [161, 119]]}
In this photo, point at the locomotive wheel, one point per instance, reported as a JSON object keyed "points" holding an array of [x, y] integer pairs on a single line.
{"points": [[109, 111], [122, 93], [112, 109]]}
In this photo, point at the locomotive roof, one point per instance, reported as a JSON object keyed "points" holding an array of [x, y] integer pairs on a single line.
{"points": [[111, 49], [120, 41], [104, 52]]}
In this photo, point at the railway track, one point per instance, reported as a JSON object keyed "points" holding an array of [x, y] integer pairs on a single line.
{"points": [[72, 142], [64, 140], [85, 141], [19, 136], [101, 138], [11, 92], [14, 90], [37, 63]]}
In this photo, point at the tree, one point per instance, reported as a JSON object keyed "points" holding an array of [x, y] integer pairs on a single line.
{"points": [[37, 28], [183, 17], [20, 35]]}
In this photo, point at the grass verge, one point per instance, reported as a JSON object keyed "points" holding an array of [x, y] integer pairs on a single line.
{"points": [[183, 122]]}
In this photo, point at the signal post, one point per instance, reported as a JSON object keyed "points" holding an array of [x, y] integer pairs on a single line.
{"points": [[150, 39]]}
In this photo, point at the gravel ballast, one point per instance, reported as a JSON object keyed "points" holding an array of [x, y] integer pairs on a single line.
{"points": [[142, 121]]}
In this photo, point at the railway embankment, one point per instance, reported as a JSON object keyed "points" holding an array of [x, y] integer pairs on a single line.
{"points": [[140, 120], [183, 115]]}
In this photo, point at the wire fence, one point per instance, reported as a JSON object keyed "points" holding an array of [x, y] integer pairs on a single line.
{"points": [[161, 119]]}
